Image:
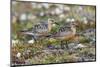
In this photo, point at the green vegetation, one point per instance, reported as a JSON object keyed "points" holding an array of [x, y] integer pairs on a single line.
{"points": [[48, 50]]}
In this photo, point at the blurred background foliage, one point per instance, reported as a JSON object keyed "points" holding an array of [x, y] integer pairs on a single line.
{"points": [[27, 14]]}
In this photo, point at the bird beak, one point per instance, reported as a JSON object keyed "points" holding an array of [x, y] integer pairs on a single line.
{"points": [[22, 32], [25, 30], [56, 23]]}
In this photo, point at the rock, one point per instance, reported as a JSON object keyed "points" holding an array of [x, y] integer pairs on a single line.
{"points": [[80, 46], [31, 41], [27, 61]]}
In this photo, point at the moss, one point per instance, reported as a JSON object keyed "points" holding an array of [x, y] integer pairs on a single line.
{"points": [[84, 40]]}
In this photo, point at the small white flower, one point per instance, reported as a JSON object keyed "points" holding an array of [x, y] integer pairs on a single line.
{"points": [[45, 5], [72, 19], [58, 11], [31, 41], [53, 12], [68, 20], [41, 14], [80, 46], [18, 55], [31, 17], [85, 20], [54, 25], [67, 8], [23, 17], [14, 42], [61, 16], [39, 6]]}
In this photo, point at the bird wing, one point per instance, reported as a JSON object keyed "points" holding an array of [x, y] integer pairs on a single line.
{"points": [[41, 28]]}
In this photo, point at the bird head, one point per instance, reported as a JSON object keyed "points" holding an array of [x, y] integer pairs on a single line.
{"points": [[51, 21], [74, 24], [73, 27]]}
